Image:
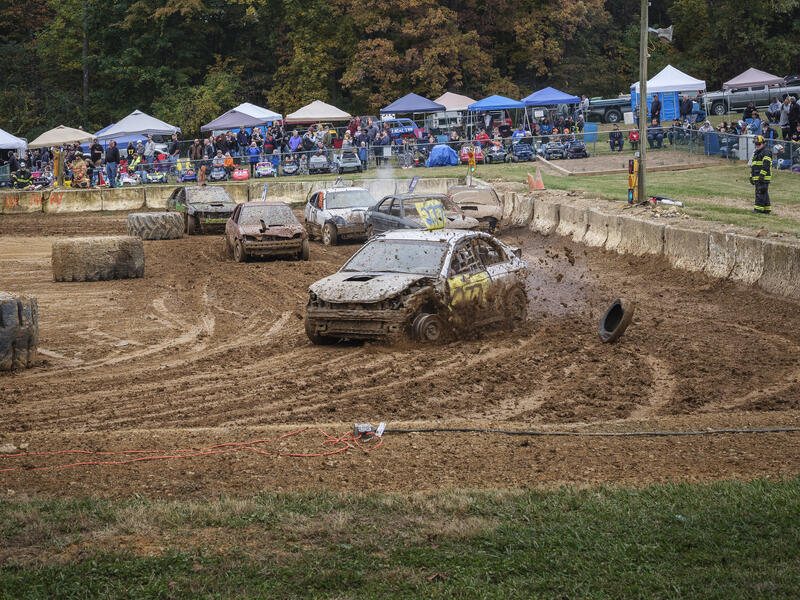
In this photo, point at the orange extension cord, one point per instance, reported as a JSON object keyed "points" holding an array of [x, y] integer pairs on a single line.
{"points": [[344, 442]]}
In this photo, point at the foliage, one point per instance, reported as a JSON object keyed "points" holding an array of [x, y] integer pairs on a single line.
{"points": [[164, 55]]}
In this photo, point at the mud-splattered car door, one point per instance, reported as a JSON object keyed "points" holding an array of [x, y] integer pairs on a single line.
{"points": [[468, 282], [498, 267]]}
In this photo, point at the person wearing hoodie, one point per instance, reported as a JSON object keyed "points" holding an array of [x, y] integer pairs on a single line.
{"points": [[149, 150]]}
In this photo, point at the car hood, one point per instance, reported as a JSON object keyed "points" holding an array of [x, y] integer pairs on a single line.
{"points": [[287, 231], [348, 215], [357, 286]]}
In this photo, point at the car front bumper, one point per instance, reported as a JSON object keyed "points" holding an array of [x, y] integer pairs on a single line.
{"points": [[267, 247], [356, 324]]}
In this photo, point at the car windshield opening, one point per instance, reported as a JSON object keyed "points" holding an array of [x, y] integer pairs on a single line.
{"points": [[271, 215], [349, 199], [399, 256]]}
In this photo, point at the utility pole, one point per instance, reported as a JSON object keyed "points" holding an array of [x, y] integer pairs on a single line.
{"points": [[85, 65], [643, 39]]}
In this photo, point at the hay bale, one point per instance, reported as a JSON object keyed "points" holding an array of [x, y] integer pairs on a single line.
{"points": [[155, 226], [19, 331], [98, 258]]}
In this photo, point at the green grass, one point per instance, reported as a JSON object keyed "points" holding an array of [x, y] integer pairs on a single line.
{"points": [[724, 540]]}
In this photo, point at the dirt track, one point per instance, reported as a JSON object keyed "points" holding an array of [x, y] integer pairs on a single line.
{"points": [[202, 351]]}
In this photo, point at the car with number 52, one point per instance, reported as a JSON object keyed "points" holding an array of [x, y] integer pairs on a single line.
{"points": [[420, 283], [412, 211]]}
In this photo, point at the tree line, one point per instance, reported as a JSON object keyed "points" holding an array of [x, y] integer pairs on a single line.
{"points": [[90, 62]]}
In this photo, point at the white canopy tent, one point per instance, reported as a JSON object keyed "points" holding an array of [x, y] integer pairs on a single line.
{"points": [[671, 79], [752, 77], [59, 136], [138, 123], [454, 102], [317, 111], [258, 112], [10, 142]]}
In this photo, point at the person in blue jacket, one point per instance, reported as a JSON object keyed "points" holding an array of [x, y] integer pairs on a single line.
{"points": [[253, 152]]}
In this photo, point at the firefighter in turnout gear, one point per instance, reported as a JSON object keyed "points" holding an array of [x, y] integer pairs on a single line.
{"points": [[761, 175]]}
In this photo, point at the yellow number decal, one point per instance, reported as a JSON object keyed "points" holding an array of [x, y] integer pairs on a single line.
{"points": [[432, 213], [468, 288]]}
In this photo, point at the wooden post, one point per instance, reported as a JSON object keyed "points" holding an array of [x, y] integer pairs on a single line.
{"points": [[643, 37]]}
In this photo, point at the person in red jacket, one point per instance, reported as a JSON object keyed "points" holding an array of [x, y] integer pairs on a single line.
{"points": [[633, 138], [482, 137]]}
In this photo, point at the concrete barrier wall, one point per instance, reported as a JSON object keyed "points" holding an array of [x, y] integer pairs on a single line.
{"points": [[124, 198], [686, 248], [155, 196], [596, 228], [16, 202], [66, 200], [781, 274], [641, 237], [508, 208], [614, 238], [522, 210], [238, 191], [749, 264], [545, 216], [721, 255], [572, 221]]}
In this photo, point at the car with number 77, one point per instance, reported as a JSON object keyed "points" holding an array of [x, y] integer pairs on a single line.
{"points": [[417, 211], [424, 284]]}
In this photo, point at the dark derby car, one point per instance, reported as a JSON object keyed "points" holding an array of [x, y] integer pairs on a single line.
{"points": [[206, 208], [265, 229], [406, 211]]}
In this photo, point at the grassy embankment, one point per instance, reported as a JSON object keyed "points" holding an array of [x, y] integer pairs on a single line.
{"points": [[723, 540]]}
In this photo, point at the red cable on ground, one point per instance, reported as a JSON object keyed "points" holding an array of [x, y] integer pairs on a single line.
{"points": [[346, 442]]}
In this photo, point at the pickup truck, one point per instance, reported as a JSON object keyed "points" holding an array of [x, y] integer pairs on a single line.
{"points": [[736, 99], [608, 111]]}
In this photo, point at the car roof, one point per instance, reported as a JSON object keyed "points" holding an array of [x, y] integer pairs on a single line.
{"points": [[207, 193], [450, 236], [266, 203]]}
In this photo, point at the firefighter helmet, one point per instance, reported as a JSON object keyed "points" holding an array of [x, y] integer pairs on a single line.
{"points": [[759, 139]]}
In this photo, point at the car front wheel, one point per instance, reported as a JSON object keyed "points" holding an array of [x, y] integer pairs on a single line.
{"points": [[428, 327], [239, 253], [516, 307], [329, 235], [304, 251], [319, 340]]}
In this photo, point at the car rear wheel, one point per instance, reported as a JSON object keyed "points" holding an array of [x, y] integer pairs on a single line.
{"points": [[516, 307], [718, 108], [613, 116], [239, 253], [311, 332], [304, 251], [191, 225], [514, 159], [329, 235], [428, 327]]}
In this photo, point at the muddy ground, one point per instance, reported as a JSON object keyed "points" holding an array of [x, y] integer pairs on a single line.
{"points": [[203, 351]]}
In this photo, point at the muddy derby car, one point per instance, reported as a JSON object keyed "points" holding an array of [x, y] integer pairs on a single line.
{"points": [[424, 284], [480, 202], [265, 229], [337, 213], [406, 211], [206, 208]]}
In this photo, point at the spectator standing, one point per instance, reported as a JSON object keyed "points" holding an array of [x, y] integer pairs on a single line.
{"points": [[362, 155], [784, 117], [112, 160], [686, 107], [381, 144], [174, 150], [295, 142], [196, 151], [372, 131], [253, 152], [243, 140], [268, 147], [615, 139], [655, 111], [655, 134], [13, 162], [95, 152], [149, 150], [794, 113], [761, 175]]}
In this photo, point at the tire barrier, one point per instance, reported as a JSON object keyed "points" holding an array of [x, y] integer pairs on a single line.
{"points": [[98, 259], [615, 321], [155, 226], [596, 228], [781, 273], [572, 222], [19, 331], [686, 248], [545, 216], [721, 255], [749, 264], [641, 237]]}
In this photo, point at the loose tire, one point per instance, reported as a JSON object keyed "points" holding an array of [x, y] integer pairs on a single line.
{"points": [[239, 253], [319, 340], [428, 327], [616, 320], [329, 235], [304, 250], [155, 226], [19, 331], [516, 307]]}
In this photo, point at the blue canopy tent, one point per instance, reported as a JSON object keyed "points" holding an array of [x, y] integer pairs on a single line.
{"points": [[493, 103], [412, 103], [549, 97]]}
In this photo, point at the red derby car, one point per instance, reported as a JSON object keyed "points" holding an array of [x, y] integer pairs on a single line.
{"points": [[265, 229]]}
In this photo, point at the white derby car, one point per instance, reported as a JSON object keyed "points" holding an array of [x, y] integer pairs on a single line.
{"points": [[337, 213], [421, 283]]}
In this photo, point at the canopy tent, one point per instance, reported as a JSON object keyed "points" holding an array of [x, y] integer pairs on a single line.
{"points": [[667, 84], [454, 102], [412, 103], [671, 79], [752, 77], [258, 111], [495, 102], [317, 111], [549, 97], [234, 119], [59, 136], [10, 142], [136, 124]]}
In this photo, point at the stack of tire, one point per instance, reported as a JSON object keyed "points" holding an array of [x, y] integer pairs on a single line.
{"points": [[155, 226], [19, 331]]}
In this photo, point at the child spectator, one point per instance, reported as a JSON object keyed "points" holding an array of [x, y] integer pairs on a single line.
{"points": [[633, 138], [362, 155]]}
